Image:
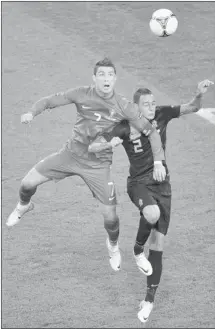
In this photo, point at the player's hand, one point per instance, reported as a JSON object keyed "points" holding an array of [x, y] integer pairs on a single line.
{"points": [[159, 172], [115, 141], [27, 117], [146, 132], [203, 86]]}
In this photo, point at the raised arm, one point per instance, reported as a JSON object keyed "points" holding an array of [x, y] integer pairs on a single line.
{"points": [[49, 102], [196, 103], [52, 101]]}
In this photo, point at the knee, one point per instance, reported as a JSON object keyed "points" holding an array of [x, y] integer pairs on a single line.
{"points": [[32, 180], [27, 184], [151, 213]]}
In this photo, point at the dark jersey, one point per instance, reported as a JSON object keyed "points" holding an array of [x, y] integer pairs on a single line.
{"points": [[139, 150], [95, 115]]}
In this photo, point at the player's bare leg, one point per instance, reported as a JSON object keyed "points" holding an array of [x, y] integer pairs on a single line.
{"points": [[111, 224], [150, 215], [156, 244], [27, 190]]}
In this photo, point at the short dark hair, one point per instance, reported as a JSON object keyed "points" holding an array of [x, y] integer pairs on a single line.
{"points": [[104, 62], [140, 92]]}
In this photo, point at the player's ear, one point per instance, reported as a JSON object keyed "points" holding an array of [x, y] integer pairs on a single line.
{"points": [[94, 78]]}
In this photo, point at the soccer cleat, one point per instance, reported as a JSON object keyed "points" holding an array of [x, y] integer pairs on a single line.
{"points": [[114, 254], [18, 212], [145, 310], [143, 264]]}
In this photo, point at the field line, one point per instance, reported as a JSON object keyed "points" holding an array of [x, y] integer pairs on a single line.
{"points": [[208, 114]]}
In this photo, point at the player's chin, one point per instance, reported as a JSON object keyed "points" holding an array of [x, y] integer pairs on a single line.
{"points": [[151, 116]]}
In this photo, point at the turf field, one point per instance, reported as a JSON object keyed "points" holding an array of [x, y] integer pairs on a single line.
{"points": [[55, 269]]}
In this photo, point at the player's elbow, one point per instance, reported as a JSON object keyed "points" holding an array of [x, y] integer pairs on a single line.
{"points": [[44, 103], [51, 102], [55, 100]]}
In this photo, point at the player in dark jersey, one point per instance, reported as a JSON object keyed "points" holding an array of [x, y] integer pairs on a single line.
{"points": [[99, 109], [151, 196]]}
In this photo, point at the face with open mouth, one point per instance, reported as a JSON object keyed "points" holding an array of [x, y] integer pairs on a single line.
{"points": [[105, 80]]}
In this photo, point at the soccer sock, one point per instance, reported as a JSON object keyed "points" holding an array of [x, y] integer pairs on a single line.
{"points": [[112, 228], [143, 233], [155, 258], [26, 194]]}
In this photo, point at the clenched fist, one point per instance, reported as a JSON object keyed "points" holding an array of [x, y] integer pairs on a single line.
{"points": [[27, 117], [115, 141], [203, 86]]}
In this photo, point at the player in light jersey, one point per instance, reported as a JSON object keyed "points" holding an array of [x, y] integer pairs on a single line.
{"points": [[152, 198], [99, 108]]}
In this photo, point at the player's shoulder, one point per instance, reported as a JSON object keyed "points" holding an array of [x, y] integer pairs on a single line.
{"points": [[160, 111], [85, 89], [162, 108], [122, 100], [166, 111]]}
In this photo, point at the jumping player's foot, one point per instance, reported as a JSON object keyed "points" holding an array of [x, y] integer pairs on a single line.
{"points": [[143, 264], [18, 212], [114, 254], [145, 310]]}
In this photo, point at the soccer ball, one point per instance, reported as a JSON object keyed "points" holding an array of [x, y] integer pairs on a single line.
{"points": [[163, 23]]}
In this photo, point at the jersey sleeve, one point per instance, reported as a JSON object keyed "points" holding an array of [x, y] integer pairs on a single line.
{"points": [[59, 99], [69, 96], [170, 112]]}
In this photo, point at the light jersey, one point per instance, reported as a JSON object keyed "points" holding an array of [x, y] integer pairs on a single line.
{"points": [[94, 116], [139, 150]]}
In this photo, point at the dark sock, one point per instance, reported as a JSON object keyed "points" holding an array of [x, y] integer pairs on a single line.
{"points": [[143, 233], [155, 258], [26, 194], [112, 228]]}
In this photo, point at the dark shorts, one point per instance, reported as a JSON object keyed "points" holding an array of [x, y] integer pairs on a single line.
{"points": [[63, 164], [145, 193]]}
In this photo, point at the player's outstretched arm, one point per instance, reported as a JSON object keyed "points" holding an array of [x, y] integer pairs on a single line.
{"points": [[196, 103], [49, 102]]}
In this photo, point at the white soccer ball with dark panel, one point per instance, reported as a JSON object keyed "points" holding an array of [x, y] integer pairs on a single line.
{"points": [[163, 23]]}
